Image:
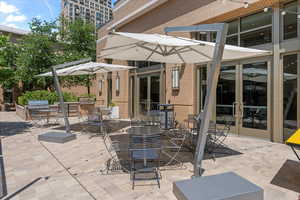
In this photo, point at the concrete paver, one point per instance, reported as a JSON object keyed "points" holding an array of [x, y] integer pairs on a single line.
{"points": [[27, 160]]}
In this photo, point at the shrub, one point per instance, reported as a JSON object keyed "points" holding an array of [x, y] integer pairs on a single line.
{"points": [[44, 95], [92, 96]]}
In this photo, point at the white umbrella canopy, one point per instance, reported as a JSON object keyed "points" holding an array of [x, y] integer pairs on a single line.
{"points": [[168, 49], [88, 68]]}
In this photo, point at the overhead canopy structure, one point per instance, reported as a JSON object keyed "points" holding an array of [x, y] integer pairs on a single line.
{"points": [[88, 68], [168, 49]]}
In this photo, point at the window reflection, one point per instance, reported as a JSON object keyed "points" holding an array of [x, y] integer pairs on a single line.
{"points": [[290, 21], [226, 95], [233, 40], [255, 95], [233, 27], [289, 94], [258, 37], [256, 20], [203, 85]]}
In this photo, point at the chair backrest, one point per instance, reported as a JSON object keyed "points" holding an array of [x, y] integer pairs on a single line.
{"points": [[144, 142]]}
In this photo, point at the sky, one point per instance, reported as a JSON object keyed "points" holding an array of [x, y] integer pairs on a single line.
{"points": [[18, 13]]}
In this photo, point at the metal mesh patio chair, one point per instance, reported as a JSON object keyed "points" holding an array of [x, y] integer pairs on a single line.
{"points": [[90, 122], [113, 163], [177, 139], [145, 152], [217, 137]]}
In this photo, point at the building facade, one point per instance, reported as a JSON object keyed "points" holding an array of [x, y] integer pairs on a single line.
{"points": [[261, 96], [8, 96], [97, 12]]}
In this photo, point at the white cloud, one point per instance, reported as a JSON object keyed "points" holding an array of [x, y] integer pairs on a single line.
{"points": [[7, 8], [11, 25], [15, 18]]}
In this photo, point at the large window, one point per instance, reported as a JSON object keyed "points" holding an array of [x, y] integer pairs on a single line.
{"points": [[290, 21], [252, 30]]}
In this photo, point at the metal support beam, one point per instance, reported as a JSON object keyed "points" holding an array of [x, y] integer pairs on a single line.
{"points": [[221, 30], [58, 89]]}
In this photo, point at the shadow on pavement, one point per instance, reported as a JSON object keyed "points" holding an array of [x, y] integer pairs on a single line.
{"points": [[23, 188], [288, 176], [3, 187], [13, 128]]}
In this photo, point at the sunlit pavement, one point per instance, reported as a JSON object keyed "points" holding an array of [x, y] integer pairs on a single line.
{"points": [[35, 170]]}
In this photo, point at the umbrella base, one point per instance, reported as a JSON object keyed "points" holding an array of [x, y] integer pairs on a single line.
{"points": [[56, 137]]}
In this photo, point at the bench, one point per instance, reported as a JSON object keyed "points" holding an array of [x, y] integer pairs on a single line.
{"points": [[39, 110]]}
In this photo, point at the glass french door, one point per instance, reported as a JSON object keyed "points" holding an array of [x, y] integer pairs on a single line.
{"points": [[243, 98], [226, 97], [149, 94], [254, 99], [290, 94]]}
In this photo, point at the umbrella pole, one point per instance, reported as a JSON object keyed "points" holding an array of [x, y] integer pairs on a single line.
{"points": [[221, 29], [61, 99], [210, 96]]}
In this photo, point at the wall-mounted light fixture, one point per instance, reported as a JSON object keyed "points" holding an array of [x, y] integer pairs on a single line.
{"points": [[100, 87], [175, 77], [117, 83]]}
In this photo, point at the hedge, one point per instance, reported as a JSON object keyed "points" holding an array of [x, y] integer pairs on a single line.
{"points": [[52, 97]]}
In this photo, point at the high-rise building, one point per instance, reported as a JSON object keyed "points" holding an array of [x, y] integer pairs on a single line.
{"points": [[97, 12]]}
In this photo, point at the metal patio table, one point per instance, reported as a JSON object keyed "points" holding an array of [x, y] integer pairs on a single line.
{"points": [[144, 131], [154, 130]]}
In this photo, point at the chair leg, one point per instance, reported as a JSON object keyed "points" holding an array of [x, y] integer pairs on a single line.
{"points": [[157, 178]]}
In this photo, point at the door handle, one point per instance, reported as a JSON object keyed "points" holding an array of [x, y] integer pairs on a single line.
{"points": [[242, 109], [233, 109]]}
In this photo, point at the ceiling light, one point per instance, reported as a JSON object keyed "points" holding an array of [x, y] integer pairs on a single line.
{"points": [[246, 5], [266, 9], [283, 13]]}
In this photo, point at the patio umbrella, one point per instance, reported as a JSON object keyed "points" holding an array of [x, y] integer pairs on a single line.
{"points": [[81, 67], [88, 68], [168, 49]]}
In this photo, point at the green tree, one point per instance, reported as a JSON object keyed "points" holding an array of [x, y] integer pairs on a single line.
{"points": [[39, 52], [8, 54], [81, 38], [80, 42]]}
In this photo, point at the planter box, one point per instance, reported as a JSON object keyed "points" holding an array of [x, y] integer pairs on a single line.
{"points": [[114, 112], [22, 112]]}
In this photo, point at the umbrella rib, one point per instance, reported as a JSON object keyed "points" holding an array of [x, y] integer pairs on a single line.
{"points": [[115, 47], [149, 49], [160, 48], [202, 54], [152, 53], [181, 49], [181, 58], [121, 50]]}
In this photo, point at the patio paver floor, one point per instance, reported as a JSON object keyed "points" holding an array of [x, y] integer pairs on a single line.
{"points": [[33, 169]]}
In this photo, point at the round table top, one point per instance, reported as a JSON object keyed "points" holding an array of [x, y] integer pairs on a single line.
{"points": [[145, 130]]}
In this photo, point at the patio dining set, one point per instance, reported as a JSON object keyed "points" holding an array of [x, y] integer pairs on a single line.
{"points": [[147, 146]]}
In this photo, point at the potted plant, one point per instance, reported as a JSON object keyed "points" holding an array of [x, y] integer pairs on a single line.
{"points": [[114, 110]]}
